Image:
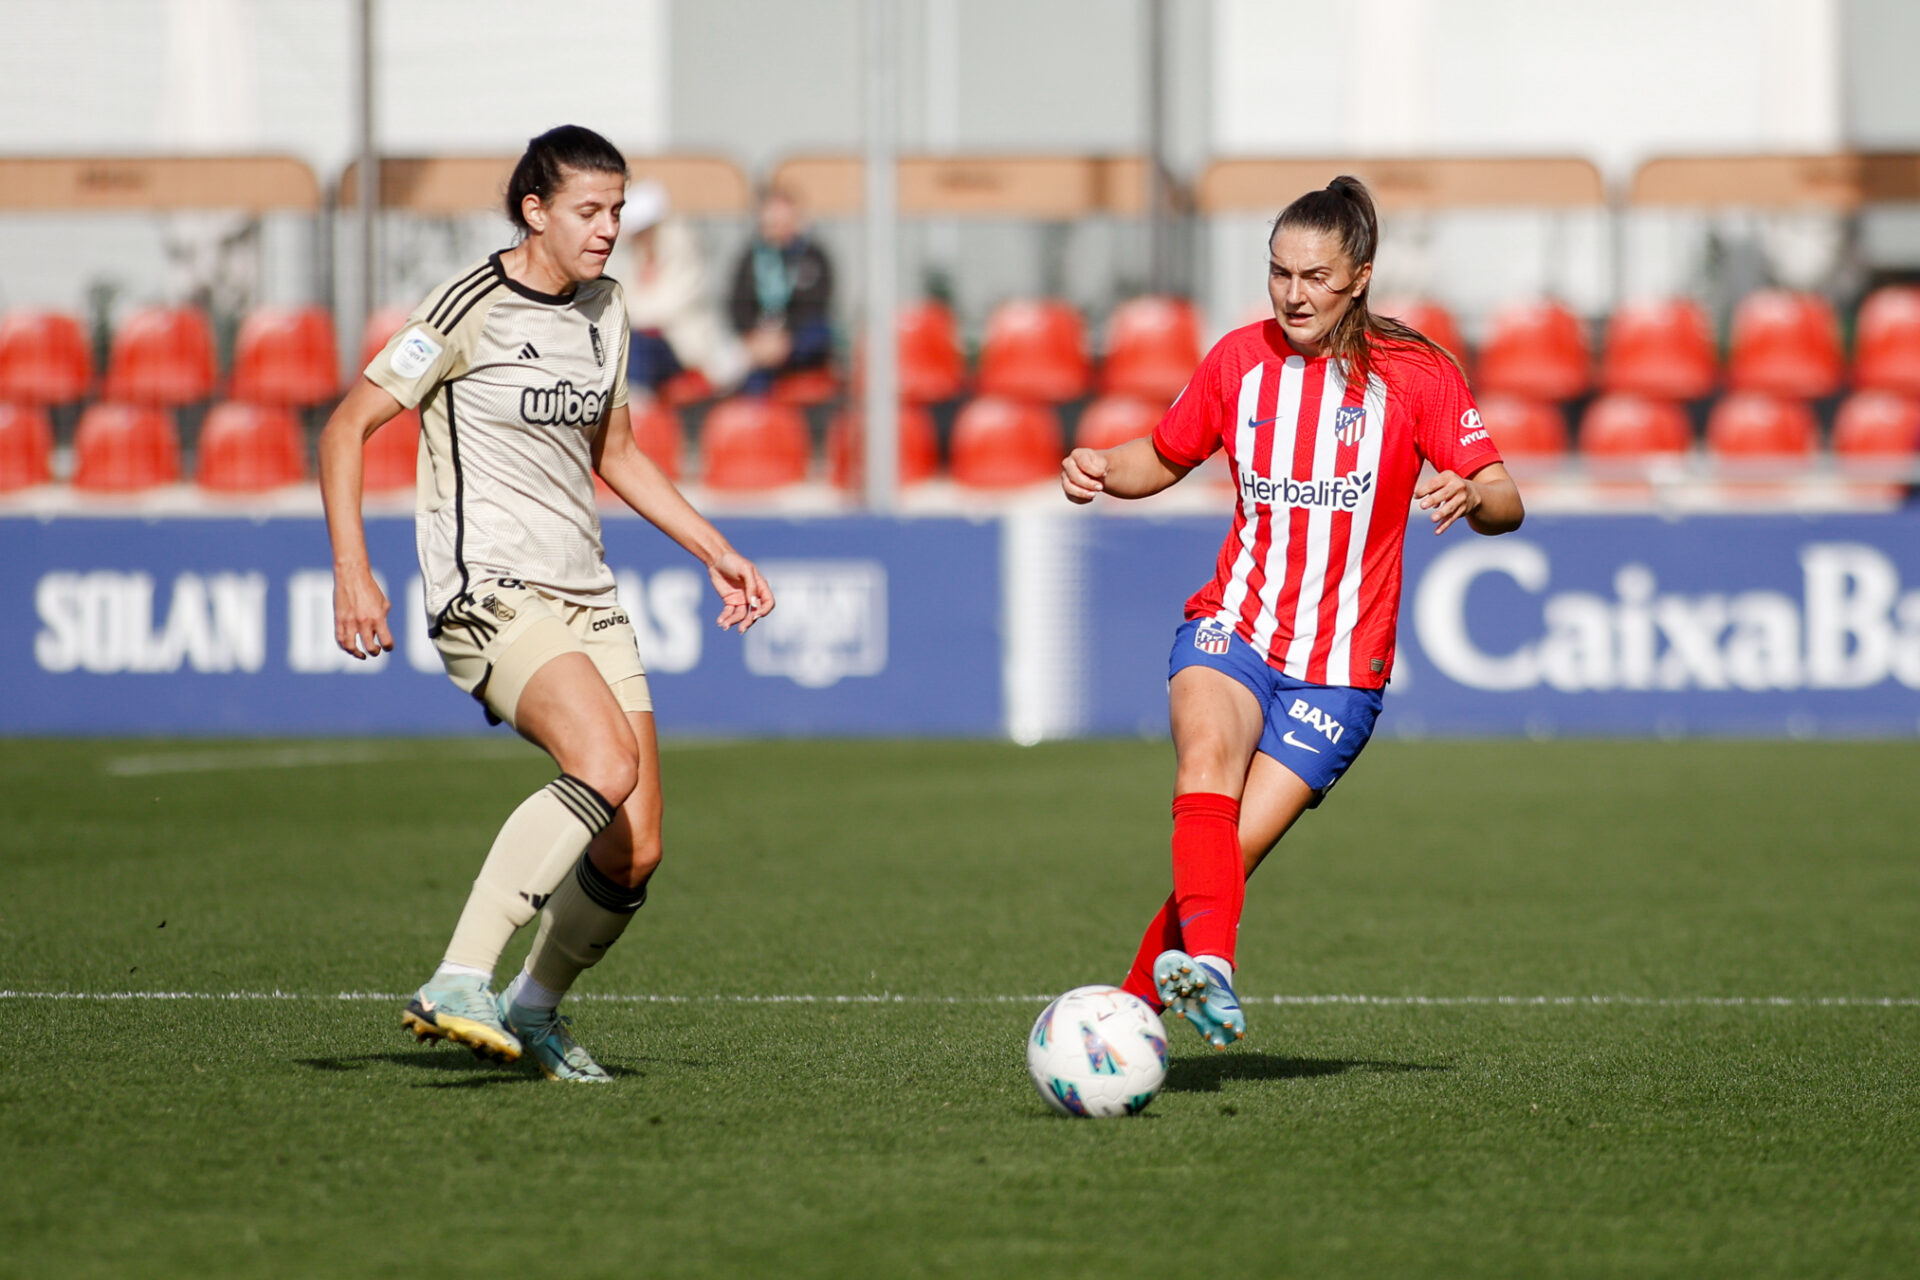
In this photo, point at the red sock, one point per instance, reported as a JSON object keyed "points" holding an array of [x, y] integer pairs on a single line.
{"points": [[1209, 878], [1162, 935]]}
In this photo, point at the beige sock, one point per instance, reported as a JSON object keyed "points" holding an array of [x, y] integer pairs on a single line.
{"points": [[586, 914], [539, 843]]}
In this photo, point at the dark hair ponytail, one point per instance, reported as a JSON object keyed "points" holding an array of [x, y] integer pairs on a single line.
{"points": [[542, 169], [1344, 209]]}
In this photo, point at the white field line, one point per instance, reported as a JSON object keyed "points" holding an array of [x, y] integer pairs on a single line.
{"points": [[1656, 1002]]}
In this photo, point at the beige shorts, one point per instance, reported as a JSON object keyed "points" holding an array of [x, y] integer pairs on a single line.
{"points": [[496, 636]]}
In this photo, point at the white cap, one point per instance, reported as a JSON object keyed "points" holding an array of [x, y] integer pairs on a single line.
{"points": [[646, 205]]}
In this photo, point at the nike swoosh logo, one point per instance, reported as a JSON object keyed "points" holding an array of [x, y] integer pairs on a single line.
{"points": [[1292, 741], [1195, 916], [1255, 426]]}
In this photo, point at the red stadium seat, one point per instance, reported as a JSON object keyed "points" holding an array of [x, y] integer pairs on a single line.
{"points": [[919, 447], [122, 448], [1431, 319], [1619, 425], [286, 356], [26, 446], [690, 386], [1114, 420], [1877, 424], [1786, 344], [932, 366], [807, 387], [247, 448], [1887, 341], [1538, 350], [751, 443], [163, 356], [392, 455], [1523, 428], [44, 358], [1000, 443], [1753, 424], [656, 429], [1153, 347], [380, 327], [1661, 348], [1035, 350]]}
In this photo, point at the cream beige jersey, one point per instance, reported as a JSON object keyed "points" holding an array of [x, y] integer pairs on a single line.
{"points": [[512, 386]]}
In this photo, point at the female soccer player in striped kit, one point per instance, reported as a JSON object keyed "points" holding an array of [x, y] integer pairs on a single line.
{"points": [[1326, 413], [519, 366]]}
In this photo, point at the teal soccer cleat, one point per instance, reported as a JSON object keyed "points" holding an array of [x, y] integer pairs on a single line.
{"points": [[1202, 995], [461, 1010], [548, 1038]]}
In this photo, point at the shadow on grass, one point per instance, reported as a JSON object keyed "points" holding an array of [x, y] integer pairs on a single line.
{"points": [[474, 1074], [1206, 1075]]}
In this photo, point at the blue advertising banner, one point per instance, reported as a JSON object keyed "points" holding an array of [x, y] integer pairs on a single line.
{"points": [[1762, 625], [226, 626]]}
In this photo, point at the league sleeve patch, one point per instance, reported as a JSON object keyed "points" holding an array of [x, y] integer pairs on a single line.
{"points": [[415, 354]]}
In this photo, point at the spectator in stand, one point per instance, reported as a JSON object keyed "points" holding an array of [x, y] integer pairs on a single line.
{"points": [[782, 293], [675, 326]]}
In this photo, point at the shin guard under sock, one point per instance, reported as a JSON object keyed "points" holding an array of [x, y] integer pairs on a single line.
{"points": [[1209, 875], [538, 843], [586, 915]]}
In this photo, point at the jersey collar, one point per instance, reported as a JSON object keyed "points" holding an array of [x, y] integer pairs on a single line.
{"points": [[551, 299]]}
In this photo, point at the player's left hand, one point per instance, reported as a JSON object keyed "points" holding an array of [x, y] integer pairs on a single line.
{"points": [[1446, 497], [745, 596]]}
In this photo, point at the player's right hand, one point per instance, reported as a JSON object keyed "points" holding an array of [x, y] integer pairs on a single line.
{"points": [[360, 615], [1083, 474]]}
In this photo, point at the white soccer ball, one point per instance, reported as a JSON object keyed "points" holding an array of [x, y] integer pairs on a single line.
{"points": [[1097, 1051]]}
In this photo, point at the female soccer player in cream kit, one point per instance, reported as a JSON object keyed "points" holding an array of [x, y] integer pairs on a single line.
{"points": [[1326, 413], [519, 367]]}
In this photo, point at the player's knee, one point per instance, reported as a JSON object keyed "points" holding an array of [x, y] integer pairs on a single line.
{"points": [[611, 771]]}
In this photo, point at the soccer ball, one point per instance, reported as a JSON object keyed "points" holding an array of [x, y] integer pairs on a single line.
{"points": [[1097, 1051]]}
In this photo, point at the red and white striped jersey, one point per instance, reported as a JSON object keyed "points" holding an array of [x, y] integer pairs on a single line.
{"points": [[1324, 469]]}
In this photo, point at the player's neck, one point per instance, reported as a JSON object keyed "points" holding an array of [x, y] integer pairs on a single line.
{"points": [[525, 264]]}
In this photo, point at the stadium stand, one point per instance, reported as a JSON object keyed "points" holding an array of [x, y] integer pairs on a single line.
{"points": [[379, 328], [248, 448], [1115, 419], [750, 443], [932, 365], [919, 447], [1887, 341], [1431, 319], [807, 387], [286, 356], [1002, 443], [1538, 350], [162, 356], [1877, 424], [1754, 424], [656, 429], [1786, 344], [1660, 347], [1524, 428], [392, 454], [26, 446], [1153, 347], [125, 448], [1622, 425], [1035, 350], [44, 358]]}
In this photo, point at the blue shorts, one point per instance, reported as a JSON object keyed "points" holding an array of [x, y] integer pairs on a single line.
{"points": [[1315, 730]]}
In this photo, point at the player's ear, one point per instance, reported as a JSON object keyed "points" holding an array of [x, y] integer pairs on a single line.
{"points": [[534, 212], [1362, 278]]}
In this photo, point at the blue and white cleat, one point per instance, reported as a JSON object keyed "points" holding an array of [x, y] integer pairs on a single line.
{"points": [[461, 1010], [549, 1041], [1202, 995]]}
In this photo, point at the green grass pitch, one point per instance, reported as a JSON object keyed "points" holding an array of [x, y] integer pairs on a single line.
{"points": [[1669, 1130]]}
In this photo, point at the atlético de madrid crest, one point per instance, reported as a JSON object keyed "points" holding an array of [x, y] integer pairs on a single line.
{"points": [[1350, 423]]}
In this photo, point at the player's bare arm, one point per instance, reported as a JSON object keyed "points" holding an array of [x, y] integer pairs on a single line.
{"points": [[1132, 470], [1488, 500], [744, 594], [359, 606]]}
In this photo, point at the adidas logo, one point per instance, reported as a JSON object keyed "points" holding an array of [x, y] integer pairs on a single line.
{"points": [[528, 353], [538, 900]]}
